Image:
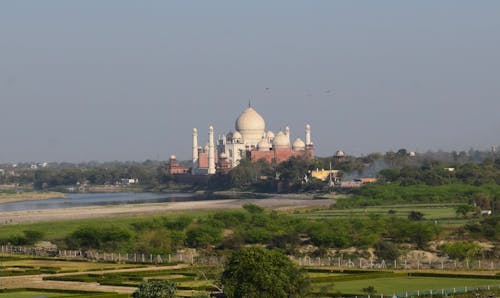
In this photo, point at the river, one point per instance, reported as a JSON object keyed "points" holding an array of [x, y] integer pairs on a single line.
{"points": [[95, 199]]}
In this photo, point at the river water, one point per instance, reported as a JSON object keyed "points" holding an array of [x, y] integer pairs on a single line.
{"points": [[95, 199]]}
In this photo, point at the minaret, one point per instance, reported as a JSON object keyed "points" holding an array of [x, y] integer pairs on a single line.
{"points": [[308, 135], [287, 133], [195, 151], [211, 151]]}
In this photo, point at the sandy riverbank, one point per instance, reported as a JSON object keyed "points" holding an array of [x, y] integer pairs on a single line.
{"points": [[278, 203], [29, 196]]}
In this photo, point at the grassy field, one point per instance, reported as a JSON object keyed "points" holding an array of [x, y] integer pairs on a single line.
{"points": [[395, 285], [33, 294], [59, 229], [440, 212], [56, 266]]}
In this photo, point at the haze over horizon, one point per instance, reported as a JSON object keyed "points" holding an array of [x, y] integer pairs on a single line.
{"points": [[128, 80]]}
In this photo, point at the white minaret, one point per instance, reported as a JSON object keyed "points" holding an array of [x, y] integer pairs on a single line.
{"points": [[195, 151], [287, 133], [211, 151], [308, 135]]}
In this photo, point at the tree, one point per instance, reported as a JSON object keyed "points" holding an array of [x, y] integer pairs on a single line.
{"points": [[463, 210], [415, 215], [461, 250], [370, 290], [257, 272], [386, 250], [156, 289]]}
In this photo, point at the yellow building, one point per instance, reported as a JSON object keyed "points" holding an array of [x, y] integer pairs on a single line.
{"points": [[323, 174]]}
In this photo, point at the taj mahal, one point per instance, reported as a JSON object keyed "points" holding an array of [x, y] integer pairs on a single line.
{"points": [[250, 140]]}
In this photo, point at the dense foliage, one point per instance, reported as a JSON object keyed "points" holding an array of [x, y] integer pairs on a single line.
{"points": [[253, 225], [255, 272], [485, 195], [156, 289]]}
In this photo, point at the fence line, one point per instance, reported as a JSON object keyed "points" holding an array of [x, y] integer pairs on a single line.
{"points": [[432, 292], [361, 263], [193, 258]]}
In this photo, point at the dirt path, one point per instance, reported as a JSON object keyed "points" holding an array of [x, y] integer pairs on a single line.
{"points": [[36, 281], [279, 202]]}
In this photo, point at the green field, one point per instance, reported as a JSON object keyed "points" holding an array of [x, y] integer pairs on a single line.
{"points": [[33, 294], [395, 285], [59, 229], [440, 212]]}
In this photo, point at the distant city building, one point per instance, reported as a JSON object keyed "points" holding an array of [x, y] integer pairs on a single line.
{"points": [[129, 181], [340, 154], [249, 140], [323, 174]]}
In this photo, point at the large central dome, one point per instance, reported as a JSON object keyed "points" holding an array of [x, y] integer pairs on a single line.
{"points": [[251, 125]]}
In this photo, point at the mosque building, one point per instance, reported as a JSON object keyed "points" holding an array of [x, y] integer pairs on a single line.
{"points": [[249, 140]]}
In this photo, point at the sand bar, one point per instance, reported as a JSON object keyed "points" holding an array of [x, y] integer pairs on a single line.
{"points": [[30, 216]]}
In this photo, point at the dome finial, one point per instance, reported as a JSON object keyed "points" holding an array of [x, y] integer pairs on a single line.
{"points": [[249, 103]]}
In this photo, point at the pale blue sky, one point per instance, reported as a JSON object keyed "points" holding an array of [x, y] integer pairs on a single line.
{"points": [[128, 80]]}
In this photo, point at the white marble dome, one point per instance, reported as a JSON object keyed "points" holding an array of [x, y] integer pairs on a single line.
{"points": [[263, 145], [299, 145], [251, 125], [281, 140], [237, 135], [270, 135]]}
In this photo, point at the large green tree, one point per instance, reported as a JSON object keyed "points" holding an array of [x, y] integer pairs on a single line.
{"points": [[258, 272], [156, 289]]}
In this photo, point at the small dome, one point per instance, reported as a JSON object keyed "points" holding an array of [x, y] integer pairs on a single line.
{"points": [[339, 153], [298, 145], [263, 145], [270, 135], [173, 157], [237, 135], [281, 140]]}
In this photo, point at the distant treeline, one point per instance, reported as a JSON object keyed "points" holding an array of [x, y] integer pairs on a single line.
{"points": [[430, 168], [150, 174]]}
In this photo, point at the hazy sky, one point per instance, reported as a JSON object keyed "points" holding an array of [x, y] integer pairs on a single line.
{"points": [[128, 80]]}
